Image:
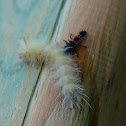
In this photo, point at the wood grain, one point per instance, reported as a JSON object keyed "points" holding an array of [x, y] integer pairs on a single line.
{"points": [[18, 80], [28, 97]]}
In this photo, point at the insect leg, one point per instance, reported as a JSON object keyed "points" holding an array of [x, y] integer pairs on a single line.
{"points": [[76, 52], [71, 36], [81, 45], [65, 41]]}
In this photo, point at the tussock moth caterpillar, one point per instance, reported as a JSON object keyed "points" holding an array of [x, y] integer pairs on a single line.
{"points": [[66, 71]]}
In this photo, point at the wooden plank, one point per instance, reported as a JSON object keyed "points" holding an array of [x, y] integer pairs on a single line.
{"points": [[18, 80], [28, 97]]}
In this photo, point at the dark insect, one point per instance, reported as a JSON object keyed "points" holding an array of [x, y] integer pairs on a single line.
{"points": [[73, 43]]}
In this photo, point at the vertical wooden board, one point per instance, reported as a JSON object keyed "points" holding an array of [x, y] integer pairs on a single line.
{"points": [[21, 18], [112, 101]]}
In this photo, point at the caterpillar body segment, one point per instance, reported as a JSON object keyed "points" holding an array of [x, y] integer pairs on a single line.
{"points": [[65, 69]]}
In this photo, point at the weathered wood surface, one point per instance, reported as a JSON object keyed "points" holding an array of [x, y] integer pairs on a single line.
{"points": [[27, 97]]}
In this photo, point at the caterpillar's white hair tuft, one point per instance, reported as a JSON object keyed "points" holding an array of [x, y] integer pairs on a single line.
{"points": [[66, 71]]}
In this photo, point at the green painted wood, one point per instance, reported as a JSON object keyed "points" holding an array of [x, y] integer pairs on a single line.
{"points": [[18, 19]]}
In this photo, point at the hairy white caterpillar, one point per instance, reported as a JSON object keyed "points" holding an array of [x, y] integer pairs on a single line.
{"points": [[66, 71]]}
